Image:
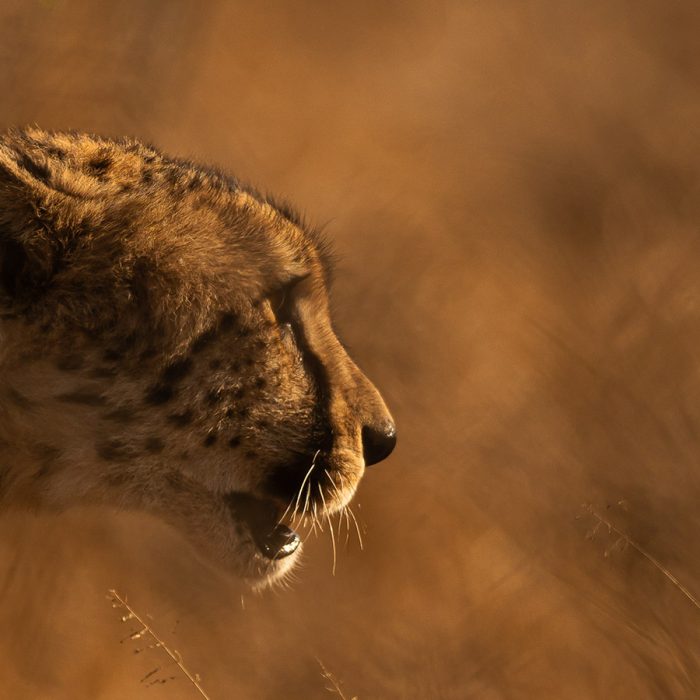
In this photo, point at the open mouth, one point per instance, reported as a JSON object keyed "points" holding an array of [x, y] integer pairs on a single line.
{"points": [[273, 538]]}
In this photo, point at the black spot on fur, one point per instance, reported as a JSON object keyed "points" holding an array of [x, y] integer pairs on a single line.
{"points": [[84, 397], [215, 364], [100, 166], [56, 152], [154, 445], [260, 383], [103, 372], [251, 454], [228, 321], [235, 441], [209, 440], [181, 419], [19, 399], [177, 370], [112, 355], [70, 363], [213, 397], [123, 414], [172, 176], [203, 340], [128, 343], [116, 353], [37, 170], [114, 451], [146, 176], [159, 394]]}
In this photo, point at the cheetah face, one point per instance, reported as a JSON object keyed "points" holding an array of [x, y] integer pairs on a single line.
{"points": [[167, 346]]}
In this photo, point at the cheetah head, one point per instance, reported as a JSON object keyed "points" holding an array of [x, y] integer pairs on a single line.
{"points": [[166, 346]]}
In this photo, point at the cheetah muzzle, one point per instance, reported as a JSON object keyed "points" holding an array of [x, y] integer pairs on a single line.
{"points": [[166, 346]]}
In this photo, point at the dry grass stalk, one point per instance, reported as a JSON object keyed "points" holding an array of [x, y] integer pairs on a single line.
{"points": [[147, 630], [625, 540], [334, 683]]}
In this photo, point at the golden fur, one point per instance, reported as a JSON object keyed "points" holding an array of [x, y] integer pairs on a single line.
{"points": [[166, 342]]}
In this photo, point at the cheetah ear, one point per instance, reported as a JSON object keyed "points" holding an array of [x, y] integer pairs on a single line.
{"points": [[29, 248]]}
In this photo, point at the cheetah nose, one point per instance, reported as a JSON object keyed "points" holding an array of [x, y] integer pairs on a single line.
{"points": [[378, 442]]}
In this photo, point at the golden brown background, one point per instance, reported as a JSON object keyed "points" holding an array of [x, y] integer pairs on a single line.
{"points": [[512, 188]]}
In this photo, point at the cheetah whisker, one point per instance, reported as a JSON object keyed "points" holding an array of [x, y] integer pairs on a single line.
{"points": [[347, 525], [330, 522], [314, 521], [357, 527], [343, 510], [333, 485], [307, 500], [287, 509], [318, 519], [302, 516], [308, 474], [330, 526]]}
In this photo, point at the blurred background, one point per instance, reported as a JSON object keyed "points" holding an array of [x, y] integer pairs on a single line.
{"points": [[512, 189]]}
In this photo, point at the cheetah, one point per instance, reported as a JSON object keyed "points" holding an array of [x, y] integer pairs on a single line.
{"points": [[166, 346]]}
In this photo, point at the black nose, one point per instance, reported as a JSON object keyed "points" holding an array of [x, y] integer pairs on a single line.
{"points": [[378, 443]]}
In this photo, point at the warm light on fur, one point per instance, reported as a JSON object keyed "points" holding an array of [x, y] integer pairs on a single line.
{"points": [[145, 361]]}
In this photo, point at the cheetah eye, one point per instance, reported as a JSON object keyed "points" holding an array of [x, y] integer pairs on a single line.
{"points": [[282, 300]]}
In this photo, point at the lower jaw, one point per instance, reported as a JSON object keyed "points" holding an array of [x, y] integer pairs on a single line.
{"points": [[275, 542], [270, 560], [270, 572]]}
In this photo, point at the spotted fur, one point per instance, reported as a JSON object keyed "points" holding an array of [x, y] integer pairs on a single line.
{"points": [[165, 342]]}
